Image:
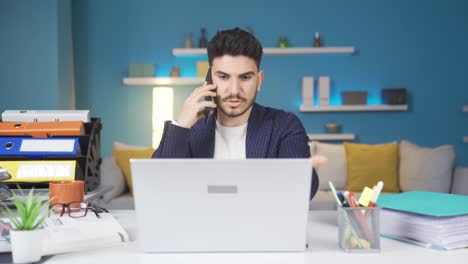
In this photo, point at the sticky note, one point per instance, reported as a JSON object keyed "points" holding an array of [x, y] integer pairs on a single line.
{"points": [[366, 196]]}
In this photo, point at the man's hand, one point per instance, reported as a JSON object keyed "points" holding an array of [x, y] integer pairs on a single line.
{"points": [[318, 160], [193, 107]]}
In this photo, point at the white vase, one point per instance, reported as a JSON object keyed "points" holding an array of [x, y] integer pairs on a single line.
{"points": [[26, 245]]}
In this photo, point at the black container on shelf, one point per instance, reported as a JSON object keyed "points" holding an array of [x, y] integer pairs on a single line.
{"points": [[88, 160]]}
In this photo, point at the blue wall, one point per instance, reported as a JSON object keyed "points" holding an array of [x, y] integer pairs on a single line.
{"points": [[34, 62], [420, 45]]}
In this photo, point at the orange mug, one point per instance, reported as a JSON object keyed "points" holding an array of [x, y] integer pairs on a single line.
{"points": [[66, 192]]}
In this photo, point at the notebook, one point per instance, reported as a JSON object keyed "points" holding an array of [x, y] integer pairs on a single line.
{"points": [[204, 205], [426, 203]]}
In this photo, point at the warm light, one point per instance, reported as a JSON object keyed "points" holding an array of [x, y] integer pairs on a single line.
{"points": [[163, 98]]}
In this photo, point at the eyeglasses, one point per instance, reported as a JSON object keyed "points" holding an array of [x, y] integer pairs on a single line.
{"points": [[76, 209]]}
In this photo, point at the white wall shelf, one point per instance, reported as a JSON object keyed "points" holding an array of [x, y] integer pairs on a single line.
{"points": [[337, 137], [465, 108], [163, 81], [353, 108], [275, 51]]}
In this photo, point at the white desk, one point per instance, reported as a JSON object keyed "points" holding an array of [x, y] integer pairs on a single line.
{"points": [[323, 247]]}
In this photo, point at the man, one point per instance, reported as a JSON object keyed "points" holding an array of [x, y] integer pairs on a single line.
{"points": [[236, 127]]}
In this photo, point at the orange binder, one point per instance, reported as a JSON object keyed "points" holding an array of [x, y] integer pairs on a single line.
{"points": [[42, 129]]}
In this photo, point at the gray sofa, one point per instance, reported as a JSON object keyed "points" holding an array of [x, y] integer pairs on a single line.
{"points": [[420, 168]]}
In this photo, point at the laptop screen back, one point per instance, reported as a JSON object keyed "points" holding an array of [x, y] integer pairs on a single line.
{"points": [[204, 205]]}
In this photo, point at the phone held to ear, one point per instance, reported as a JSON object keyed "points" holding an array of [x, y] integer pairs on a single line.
{"points": [[208, 80]]}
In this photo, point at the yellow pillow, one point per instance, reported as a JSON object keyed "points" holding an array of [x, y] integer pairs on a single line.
{"points": [[368, 164], [123, 155]]}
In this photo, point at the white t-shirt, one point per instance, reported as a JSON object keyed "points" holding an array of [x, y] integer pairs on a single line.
{"points": [[230, 142]]}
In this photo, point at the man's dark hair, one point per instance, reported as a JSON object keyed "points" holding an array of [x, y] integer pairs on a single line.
{"points": [[234, 42]]}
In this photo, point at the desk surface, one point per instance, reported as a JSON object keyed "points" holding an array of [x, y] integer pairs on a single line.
{"points": [[323, 246]]}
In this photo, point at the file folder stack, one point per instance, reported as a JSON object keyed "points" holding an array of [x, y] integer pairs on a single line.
{"points": [[38, 146], [429, 219]]}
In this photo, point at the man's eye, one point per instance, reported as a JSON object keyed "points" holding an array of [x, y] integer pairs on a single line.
{"points": [[222, 77], [246, 77]]}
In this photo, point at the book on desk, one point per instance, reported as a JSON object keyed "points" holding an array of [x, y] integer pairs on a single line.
{"points": [[429, 219], [67, 234]]}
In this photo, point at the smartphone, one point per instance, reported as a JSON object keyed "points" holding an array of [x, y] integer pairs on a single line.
{"points": [[208, 80]]}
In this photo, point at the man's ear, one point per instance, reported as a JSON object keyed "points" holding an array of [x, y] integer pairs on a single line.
{"points": [[260, 80]]}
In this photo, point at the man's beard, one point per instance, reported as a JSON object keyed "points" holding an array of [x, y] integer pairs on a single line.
{"points": [[236, 97]]}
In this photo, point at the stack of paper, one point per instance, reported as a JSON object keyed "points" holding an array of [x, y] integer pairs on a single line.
{"points": [[435, 220], [429, 231]]}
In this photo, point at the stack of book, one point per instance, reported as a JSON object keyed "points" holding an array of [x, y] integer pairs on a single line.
{"points": [[67, 234], [429, 219]]}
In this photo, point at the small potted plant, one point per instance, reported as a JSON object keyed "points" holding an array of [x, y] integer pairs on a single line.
{"points": [[27, 233]]}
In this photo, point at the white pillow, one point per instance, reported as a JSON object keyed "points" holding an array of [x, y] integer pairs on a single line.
{"points": [[312, 147], [111, 175], [335, 169], [460, 181], [426, 169]]}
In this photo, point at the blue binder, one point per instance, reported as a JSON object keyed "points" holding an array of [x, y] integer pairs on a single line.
{"points": [[38, 147]]}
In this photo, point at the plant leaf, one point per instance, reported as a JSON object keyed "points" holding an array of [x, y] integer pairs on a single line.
{"points": [[21, 209], [28, 201], [39, 222], [35, 210]]}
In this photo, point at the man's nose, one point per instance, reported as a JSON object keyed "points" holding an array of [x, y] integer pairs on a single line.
{"points": [[235, 86]]}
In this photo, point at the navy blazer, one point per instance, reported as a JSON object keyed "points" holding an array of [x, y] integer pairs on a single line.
{"points": [[271, 133]]}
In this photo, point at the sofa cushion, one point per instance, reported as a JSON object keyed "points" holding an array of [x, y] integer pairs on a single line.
{"points": [[335, 169], [111, 175], [368, 164], [427, 169], [323, 200], [123, 153], [460, 181]]}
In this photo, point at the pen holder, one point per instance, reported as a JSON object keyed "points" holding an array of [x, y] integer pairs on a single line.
{"points": [[359, 229]]}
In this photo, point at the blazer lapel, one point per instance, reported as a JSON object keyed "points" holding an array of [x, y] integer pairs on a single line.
{"points": [[258, 134], [209, 135]]}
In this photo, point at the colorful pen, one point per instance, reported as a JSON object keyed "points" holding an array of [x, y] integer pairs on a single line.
{"points": [[332, 188], [376, 194], [344, 202]]}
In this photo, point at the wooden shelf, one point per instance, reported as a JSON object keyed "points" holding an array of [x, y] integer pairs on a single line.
{"points": [[465, 139], [465, 108], [163, 81], [337, 137], [308, 50], [353, 108], [275, 51]]}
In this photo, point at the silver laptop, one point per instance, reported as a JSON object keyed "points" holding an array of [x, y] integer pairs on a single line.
{"points": [[205, 205]]}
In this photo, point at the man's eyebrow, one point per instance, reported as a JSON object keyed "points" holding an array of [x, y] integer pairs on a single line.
{"points": [[242, 74], [247, 73], [221, 72]]}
